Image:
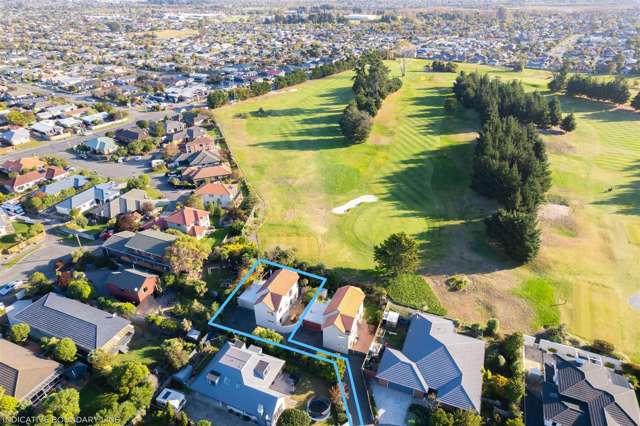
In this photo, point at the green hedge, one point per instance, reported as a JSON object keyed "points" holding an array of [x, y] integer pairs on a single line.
{"points": [[413, 291]]}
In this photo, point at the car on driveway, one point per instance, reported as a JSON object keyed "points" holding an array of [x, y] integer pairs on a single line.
{"points": [[10, 286]]}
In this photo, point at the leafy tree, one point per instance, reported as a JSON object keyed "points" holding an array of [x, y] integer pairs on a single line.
{"points": [[603, 90], [139, 182], [63, 404], [555, 111], [510, 164], [126, 376], [514, 421], [514, 391], [187, 255], [559, 80], [78, 218], [19, 333], [142, 394], [603, 347], [128, 222], [397, 255], [194, 201], [355, 124], [294, 417], [80, 288], [439, 417], [466, 418], [39, 284], [268, 334], [65, 350], [19, 118], [568, 123], [516, 232], [48, 344], [176, 352], [260, 88], [217, 98], [491, 97], [441, 66], [8, 405], [451, 106], [493, 325], [635, 103], [557, 334], [101, 361]]}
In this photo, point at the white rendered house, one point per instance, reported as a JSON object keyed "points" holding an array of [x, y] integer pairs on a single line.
{"points": [[272, 299], [341, 318]]}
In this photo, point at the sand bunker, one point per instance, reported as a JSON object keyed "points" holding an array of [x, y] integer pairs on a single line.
{"points": [[634, 301], [354, 203]]}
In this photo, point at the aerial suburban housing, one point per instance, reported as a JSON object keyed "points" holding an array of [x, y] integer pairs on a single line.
{"points": [[25, 376], [436, 360], [145, 248], [240, 379], [577, 392], [57, 316], [131, 285]]}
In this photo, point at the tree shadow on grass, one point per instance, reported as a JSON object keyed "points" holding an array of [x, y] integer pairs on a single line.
{"points": [[597, 111], [625, 197], [337, 95], [305, 144], [435, 185], [283, 112]]}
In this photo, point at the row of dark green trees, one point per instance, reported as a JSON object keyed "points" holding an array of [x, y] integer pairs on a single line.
{"points": [[218, 98], [488, 96], [616, 90], [510, 163], [371, 85]]}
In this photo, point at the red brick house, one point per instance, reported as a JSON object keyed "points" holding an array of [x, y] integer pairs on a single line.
{"points": [[131, 285]]}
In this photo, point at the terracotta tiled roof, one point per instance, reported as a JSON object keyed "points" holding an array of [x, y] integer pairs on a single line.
{"points": [[187, 216], [216, 188], [54, 171], [22, 164], [276, 287], [33, 176], [207, 172], [343, 308]]}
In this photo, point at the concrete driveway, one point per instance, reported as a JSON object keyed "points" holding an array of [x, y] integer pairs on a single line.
{"points": [[200, 407], [392, 405]]}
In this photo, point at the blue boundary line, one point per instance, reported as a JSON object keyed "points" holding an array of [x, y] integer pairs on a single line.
{"points": [[328, 355]]}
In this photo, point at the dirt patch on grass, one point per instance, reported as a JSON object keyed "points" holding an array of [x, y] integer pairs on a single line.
{"points": [[489, 296], [554, 212], [560, 219], [560, 146]]}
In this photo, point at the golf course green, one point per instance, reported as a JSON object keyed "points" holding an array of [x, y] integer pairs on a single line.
{"points": [[417, 163]]}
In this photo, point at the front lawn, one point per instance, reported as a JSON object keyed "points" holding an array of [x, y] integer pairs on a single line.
{"points": [[413, 291], [92, 396], [144, 347], [10, 240]]}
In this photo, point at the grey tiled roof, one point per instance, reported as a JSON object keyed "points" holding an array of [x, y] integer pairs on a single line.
{"points": [[240, 384], [59, 316], [151, 241], [129, 279], [435, 357], [585, 394]]}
